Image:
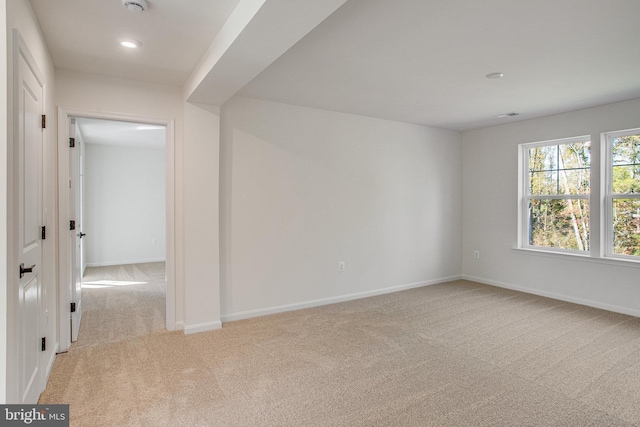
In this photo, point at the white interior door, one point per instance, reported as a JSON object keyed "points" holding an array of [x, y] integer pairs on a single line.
{"points": [[75, 235], [29, 218]]}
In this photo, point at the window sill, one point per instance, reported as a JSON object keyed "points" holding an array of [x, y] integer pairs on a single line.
{"points": [[632, 263]]}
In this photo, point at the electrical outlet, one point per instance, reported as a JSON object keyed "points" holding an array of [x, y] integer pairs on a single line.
{"points": [[476, 254], [341, 266]]}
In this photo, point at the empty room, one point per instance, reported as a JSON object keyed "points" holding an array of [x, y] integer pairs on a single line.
{"points": [[121, 227], [369, 212]]}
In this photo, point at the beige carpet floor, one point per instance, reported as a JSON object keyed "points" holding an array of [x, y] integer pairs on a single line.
{"points": [[454, 354], [121, 302]]}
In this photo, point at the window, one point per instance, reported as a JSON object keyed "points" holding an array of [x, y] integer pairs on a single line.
{"points": [[555, 188], [622, 194]]}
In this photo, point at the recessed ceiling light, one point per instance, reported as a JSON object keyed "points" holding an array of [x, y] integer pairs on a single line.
{"points": [[131, 44], [495, 75]]}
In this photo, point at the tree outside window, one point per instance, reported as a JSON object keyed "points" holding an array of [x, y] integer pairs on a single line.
{"points": [[623, 201], [556, 195]]}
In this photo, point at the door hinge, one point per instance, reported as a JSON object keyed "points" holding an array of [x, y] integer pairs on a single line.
{"points": [[44, 343], [72, 225], [72, 142], [44, 121], [43, 233], [73, 307]]}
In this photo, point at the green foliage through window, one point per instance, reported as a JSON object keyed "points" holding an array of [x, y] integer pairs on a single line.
{"points": [[626, 164], [560, 169], [559, 223], [625, 157], [557, 193], [556, 198]]}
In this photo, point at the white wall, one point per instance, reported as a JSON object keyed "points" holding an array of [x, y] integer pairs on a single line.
{"points": [[195, 168], [125, 204], [490, 191], [200, 198], [20, 16], [108, 95], [302, 189]]}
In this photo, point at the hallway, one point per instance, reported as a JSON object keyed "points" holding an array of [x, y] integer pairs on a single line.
{"points": [[121, 302]]}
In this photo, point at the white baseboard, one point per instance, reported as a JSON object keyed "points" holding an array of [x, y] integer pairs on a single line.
{"points": [[553, 295], [202, 327], [52, 359], [49, 368], [332, 300], [125, 262]]}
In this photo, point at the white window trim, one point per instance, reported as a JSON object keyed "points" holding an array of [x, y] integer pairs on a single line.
{"points": [[524, 197], [607, 197]]}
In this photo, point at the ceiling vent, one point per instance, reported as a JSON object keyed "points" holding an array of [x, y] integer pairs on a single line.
{"points": [[513, 114], [135, 6]]}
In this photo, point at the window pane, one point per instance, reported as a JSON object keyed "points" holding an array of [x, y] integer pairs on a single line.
{"points": [[625, 150], [560, 169], [543, 158], [626, 227], [560, 224], [543, 183], [626, 179], [575, 155], [574, 181]]}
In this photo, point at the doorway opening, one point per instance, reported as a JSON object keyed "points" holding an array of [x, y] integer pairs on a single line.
{"points": [[119, 261], [120, 228]]}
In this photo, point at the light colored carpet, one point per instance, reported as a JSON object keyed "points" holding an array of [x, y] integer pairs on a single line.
{"points": [[121, 302], [455, 354]]}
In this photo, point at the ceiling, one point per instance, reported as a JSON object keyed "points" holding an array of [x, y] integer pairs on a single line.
{"points": [[84, 35], [124, 134], [425, 62], [416, 61]]}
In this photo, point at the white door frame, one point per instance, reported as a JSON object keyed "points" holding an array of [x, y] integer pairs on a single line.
{"points": [[64, 297]]}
